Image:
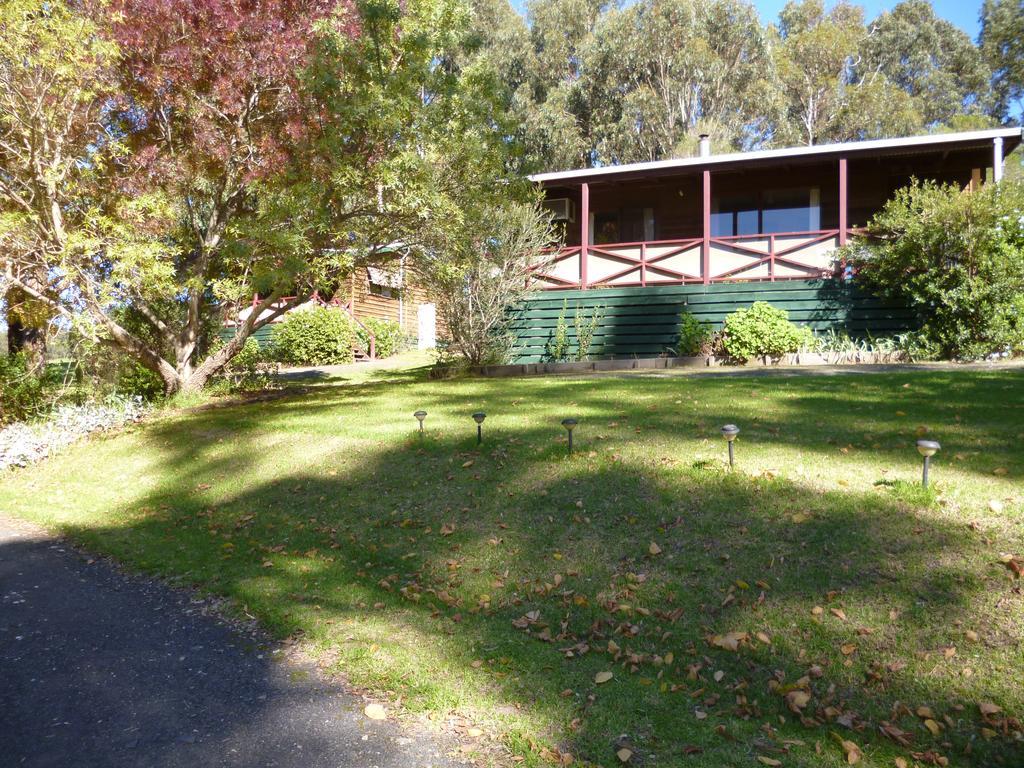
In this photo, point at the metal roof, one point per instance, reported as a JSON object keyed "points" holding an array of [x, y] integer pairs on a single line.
{"points": [[938, 141]]}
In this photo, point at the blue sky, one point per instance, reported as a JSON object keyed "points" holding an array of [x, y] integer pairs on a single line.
{"points": [[963, 13]]}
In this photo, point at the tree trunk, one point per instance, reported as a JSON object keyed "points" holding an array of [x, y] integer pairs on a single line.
{"points": [[24, 331]]}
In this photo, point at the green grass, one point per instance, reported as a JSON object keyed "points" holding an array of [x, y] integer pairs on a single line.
{"points": [[409, 564]]}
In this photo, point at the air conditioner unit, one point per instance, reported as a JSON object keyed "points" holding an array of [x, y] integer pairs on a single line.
{"points": [[561, 208]]}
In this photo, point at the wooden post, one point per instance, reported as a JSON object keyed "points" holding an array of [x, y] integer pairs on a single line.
{"points": [[705, 266], [997, 159], [843, 224], [584, 231], [643, 265]]}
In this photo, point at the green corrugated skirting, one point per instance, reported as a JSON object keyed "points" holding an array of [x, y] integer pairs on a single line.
{"points": [[643, 322], [262, 335]]}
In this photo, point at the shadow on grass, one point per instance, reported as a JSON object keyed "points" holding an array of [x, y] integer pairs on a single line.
{"points": [[419, 564]]}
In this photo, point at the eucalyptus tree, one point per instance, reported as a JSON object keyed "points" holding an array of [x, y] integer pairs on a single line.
{"points": [[1002, 44], [671, 69]]}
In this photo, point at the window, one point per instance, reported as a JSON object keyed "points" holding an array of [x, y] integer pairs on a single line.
{"points": [[384, 291], [738, 215], [626, 225], [791, 210], [772, 211]]}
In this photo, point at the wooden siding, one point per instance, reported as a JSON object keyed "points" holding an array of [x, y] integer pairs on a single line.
{"points": [[401, 307], [643, 322]]}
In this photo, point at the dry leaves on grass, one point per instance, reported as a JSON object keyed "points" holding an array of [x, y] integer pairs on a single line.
{"points": [[603, 677], [850, 749], [730, 641]]}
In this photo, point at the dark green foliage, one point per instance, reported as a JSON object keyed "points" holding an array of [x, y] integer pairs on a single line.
{"points": [[694, 336], [760, 331], [22, 392], [388, 338], [251, 369], [957, 259], [319, 336]]}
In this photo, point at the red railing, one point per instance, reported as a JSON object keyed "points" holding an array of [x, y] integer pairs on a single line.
{"points": [[767, 257]]}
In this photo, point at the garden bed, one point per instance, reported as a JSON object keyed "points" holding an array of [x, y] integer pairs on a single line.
{"points": [[646, 363]]}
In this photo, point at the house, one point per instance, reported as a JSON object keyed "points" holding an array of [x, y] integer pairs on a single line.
{"points": [[382, 292], [730, 226], [769, 215]]}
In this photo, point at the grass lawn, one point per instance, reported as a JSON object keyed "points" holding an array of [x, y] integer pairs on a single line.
{"points": [[813, 596]]}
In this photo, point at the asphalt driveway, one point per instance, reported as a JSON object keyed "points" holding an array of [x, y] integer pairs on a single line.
{"points": [[98, 668]]}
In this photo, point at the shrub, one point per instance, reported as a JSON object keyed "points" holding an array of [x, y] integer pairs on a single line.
{"points": [[387, 336], [251, 369], [760, 331], [22, 392], [318, 336], [955, 258], [586, 327], [557, 348], [694, 336]]}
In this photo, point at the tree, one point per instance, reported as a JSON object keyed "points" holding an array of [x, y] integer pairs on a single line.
{"points": [[480, 279], [930, 59], [260, 149], [143, 187], [957, 259], [672, 69], [1002, 44], [55, 72], [814, 56]]}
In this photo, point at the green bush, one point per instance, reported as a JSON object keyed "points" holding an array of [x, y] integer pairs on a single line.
{"points": [[387, 335], [586, 327], [319, 336], [557, 348], [694, 336], [22, 392], [760, 331], [957, 259], [252, 369]]}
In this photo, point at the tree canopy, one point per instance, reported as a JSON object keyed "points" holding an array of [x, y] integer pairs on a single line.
{"points": [[596, 82]]}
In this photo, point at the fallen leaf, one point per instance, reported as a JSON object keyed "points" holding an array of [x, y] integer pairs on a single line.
{"points": [[768, 760], [624, 754], [901, 763], [375, 712], [995, 505], [603, 677], [654, 549], [838, 613], [1000, 471], [853, 753], [924, 712], [468, 464], [730, 641], [847, 648], [933, 726], [797, 700], [988, 708]]}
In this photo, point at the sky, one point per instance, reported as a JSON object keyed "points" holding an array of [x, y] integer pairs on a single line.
{"points": [[963, 13]]}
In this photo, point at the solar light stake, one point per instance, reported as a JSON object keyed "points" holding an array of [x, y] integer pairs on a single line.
{"points": [[927, 448], [729, 432], [569, 425], [479, 417], [420, 416]]}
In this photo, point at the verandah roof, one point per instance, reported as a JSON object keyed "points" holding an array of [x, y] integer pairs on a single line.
{"points": [[968, 140]]}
